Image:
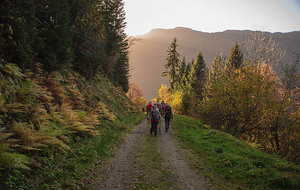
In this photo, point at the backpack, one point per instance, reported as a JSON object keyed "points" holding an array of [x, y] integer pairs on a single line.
{"points": [[168, 112], [155, 115], [149, 106], [159, 106]]}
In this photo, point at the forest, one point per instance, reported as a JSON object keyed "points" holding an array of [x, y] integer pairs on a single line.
{"points": [[63, 77], [86, 36], [241, 94]]}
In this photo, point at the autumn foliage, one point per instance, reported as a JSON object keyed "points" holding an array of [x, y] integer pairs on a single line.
{"points": [[135, 94]]}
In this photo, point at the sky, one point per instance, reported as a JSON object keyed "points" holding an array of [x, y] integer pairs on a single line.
{"points": [[212, 15]]}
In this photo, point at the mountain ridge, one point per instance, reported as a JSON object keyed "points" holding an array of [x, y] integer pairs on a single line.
{"points": [[149, 51]]}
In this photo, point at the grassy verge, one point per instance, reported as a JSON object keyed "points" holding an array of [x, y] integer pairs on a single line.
{"points": [[154, 174], [75, 169], [230, 163]]}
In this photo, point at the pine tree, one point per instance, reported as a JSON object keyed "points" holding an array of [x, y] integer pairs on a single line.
{"points": [[182, 68], [235, 58], [55, 33], [214, 77], [185, 78], [88, 39], [173, 64], [100, 40], [197, 77], [179, 83], [17, 32], [116, 43], [218, 66]]}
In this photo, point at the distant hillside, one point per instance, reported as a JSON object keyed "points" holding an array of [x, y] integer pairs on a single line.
{"points": [[149, 52]]}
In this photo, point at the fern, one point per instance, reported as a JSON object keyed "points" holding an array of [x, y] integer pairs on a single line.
{"points": [[102, 112], [70, 120], [8, 158], [38, 115], [11, 71], [15, 107], [29, 139], [53, 84], [2, 102]]}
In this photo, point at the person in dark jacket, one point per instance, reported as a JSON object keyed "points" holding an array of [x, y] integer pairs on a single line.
{"points": [[168, 116], [155, 116]]}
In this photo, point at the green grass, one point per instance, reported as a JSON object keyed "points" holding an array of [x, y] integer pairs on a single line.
{"points": [[153, 172], [229, 162]]}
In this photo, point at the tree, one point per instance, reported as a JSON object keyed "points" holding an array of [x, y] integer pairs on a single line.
{"points": [[88, 42], [55, 34], [101, 45], [135, 94], [180, 84], [163, 94], [197, 78], [235, 58], [182, 68], [116, 43], [173, 64], [218, 66], [262, 48], [216, 72], [17, 31]]}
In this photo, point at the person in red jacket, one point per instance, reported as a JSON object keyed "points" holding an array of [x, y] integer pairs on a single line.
{"points": [[148, 108]]}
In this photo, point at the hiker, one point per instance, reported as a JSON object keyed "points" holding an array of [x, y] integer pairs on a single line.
{"points": [[159, 106], [148, 108], [168, 116], [155, 116], [162, 107]]}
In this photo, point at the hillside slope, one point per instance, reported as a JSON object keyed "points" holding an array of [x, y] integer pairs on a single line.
{"points": [[231, 163], [149, 52], [56, 126]]}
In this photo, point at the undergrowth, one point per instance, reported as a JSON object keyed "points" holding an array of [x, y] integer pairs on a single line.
{"points": [[229, 162], [54, 127]]}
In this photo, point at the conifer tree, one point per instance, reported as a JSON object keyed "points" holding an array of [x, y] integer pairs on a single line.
{"points": [[55, 33], [218, 66], [116, 43], [87, 36], [173, 64], [197, 77], [182, 68], [100, 40], [88, 39], [235, 58], [185, 78], [179, 84], [214, 77], [17, 32]]}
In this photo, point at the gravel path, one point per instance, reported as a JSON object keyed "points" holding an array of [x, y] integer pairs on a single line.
{"points": [[121, 171], [118, 175], [187, 178]]}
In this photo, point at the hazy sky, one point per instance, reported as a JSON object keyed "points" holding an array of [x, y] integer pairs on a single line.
{"points": [[212, 15]]}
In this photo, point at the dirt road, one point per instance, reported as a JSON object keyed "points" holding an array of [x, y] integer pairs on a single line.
{"points": [[122, 171]]}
